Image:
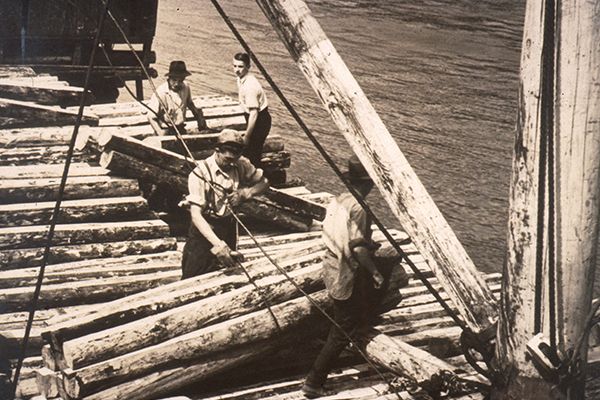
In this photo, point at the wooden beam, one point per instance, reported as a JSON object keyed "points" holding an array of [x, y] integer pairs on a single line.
{"points": [[23, 114], [50, 171], [80, 187], [109, 209], [97, 232], [554, 196], [45, 94], [196, 143], [370, 140], [32, 257]]}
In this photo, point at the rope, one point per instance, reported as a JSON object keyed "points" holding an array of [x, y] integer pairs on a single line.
{"points": [[55, 212]]}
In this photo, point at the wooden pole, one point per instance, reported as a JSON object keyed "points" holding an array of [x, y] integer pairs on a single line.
{"points": [[369, 138], [553, 217]]}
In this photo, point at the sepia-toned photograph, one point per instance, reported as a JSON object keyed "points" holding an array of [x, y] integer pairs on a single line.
{"points": [[299, 199]]}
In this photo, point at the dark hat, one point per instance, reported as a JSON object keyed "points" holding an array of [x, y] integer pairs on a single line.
{"points": [[177, 68], [356, 171], [231, 137]]}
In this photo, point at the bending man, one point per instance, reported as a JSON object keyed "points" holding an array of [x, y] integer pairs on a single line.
{"points": [[223, 180], [349, 273]]}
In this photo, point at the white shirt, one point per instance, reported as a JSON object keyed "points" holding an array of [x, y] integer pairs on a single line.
{"points": [[250, 93], [175, 102], [211, 200]]}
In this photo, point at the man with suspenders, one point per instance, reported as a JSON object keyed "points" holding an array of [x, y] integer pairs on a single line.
{"points": [[223, 180]]}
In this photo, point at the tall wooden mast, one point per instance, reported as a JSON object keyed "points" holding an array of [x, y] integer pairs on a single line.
{"points": [[369, 138], [554, 199]]}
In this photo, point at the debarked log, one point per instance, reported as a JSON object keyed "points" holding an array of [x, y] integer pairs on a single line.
{"points": [[196, 143], [37, 155], [50, 171], [98, 232], [84, 292], [166, 160], [28, 277], [177, 294], [275, 326], [98, 350], [32, 257], [16, 113], [76, 211], [80, 187], [239, 335]]}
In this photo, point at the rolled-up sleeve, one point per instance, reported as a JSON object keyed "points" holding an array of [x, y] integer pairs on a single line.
{"points": [[196, 188]]}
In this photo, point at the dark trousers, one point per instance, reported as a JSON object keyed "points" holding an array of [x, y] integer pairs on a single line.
{"points": [[354, 316], [197, 258], [253, 151]]}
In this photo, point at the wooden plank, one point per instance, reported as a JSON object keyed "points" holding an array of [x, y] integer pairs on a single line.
{"points": [[32, 257], [50, 171], [196, 143], [96, 232], [22, 114], [38, 155], [84, 292], [110, 209], [40, 136], [81, 187], [370, 140], [45, 94]]}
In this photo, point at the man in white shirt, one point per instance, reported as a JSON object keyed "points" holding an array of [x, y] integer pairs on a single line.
{"points": [[220, 182], [254, 102], [171, 101]]}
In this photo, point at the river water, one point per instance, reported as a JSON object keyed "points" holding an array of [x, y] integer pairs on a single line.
{"points": [[442, 75]]}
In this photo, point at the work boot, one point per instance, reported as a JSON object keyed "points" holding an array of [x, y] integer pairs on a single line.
{"points": [[313, 392]]}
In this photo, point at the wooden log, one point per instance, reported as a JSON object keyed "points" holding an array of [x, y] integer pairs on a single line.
{"points": [[164, 382], [45, 94], [83, 187], [11, 71], [196, 143], [96, 357], [38, 136], [28, 277], [403, 359], [132, 167], [84, 292], [554, 207], [210, 113], [38, 155], [50, 171], [166, 160], [371, 141], [26, 258], [121, 312], [22, 114], [110, 209], [27, 236], [246, 331], [47, 382]]}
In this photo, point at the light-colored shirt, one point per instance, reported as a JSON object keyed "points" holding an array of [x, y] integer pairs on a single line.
{"points": [[175, 103], [211, 200], [251, 94], [345, 227]]}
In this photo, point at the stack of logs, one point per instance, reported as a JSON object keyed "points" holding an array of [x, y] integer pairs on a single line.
{"points": [[145, 160], [219, 111], [165, 338], [28, 99]]}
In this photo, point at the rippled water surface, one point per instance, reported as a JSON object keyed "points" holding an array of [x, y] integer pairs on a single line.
{"points": [[442, 75]]}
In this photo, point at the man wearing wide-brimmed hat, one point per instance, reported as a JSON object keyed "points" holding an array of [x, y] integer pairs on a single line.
{"points": [[171, 101], [218, 183], [349, 272]]}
